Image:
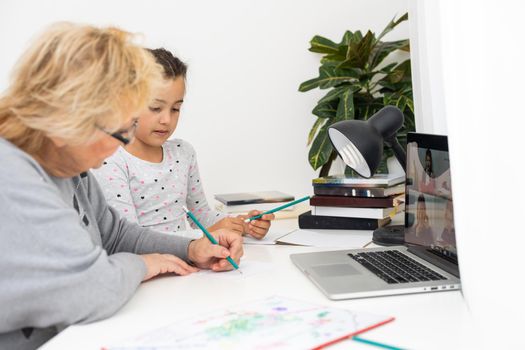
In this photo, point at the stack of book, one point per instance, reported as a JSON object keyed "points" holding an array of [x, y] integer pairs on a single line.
{"points": [[353, 203], [246, 201]]}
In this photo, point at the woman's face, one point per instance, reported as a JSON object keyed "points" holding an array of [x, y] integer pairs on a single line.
{"points": [[428, 162], [70, 160], [160, 120], [421, 211]]}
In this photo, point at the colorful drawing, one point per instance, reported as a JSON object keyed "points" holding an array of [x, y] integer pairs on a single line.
{"points": [[272, 323]]}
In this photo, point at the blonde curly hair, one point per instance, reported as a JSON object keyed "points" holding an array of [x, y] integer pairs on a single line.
{"points": [[73, 80]]}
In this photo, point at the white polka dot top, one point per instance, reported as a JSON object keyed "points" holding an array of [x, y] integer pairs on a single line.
{"points": [[153, 194]]}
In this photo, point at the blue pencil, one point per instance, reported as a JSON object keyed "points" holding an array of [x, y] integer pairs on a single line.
{"points": [[277, 209], [208, 235]]}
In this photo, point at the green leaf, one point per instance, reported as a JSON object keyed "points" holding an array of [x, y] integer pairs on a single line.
{"points": [[345, 108], [400, 73], [410, 104], [393, 23], [323, 45], [330, 76], [347, 38], [335, 58], [326, 110], [358, 52], [313, 131], [388, 68], [321, 149], [399, 79], [382, 49], [333, 94], [309, 85]]}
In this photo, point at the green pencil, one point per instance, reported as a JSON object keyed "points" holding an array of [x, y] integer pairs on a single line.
{"points": [[209, 236], [374, 343], [277, 209]]}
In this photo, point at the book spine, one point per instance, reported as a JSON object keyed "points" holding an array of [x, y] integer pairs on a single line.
{"points": [[360, 202], [337, 223], [348, 191], [366, 213]]}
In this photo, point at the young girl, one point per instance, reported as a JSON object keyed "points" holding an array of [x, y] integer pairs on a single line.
{"points": [[151, 179]]}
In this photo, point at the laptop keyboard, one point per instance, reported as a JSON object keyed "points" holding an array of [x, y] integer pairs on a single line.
{"points": [[393, 266]]}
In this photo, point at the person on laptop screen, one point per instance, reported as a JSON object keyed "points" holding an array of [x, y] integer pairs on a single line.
{"points": [[429, 211], [422, 229]]}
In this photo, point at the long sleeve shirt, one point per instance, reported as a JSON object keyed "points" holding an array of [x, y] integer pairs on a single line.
{"points": [[67, 257], [153, 194]]}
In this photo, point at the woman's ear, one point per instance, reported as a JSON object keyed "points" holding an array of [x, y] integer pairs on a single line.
{"points": [[58, 142]]}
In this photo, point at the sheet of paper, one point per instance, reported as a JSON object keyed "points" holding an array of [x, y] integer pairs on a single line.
{"points": [[269, 239], [248, 268], [328, 238], [270, 323]]}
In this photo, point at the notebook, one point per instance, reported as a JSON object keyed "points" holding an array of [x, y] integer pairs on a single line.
{"points": [[427, 263]]}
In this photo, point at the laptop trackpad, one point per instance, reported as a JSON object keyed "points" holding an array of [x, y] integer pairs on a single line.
{"points": [[334, 270]]}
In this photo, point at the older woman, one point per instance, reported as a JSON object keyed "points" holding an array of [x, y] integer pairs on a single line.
{"points": [[66, 256]]}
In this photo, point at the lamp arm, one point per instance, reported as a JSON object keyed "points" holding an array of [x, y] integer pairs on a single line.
{"points": [[399, 152]]}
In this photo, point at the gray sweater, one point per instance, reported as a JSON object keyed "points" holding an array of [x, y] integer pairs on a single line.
{"points": [[66, 256]]}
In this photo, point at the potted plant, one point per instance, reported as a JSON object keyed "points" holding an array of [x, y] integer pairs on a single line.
{"points": [[358, 84]]}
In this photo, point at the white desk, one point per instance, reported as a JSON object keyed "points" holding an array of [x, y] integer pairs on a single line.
{"points": [[423, 321]]}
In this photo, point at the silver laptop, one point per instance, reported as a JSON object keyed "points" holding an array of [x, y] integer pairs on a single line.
{"points": [[427, 263]]}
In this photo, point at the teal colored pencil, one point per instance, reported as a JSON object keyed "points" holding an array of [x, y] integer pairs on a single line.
{"points": [[277, 209], [374, 343], [208, 235]]}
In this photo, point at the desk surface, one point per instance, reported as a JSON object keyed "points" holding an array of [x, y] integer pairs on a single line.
{"points": [[423, 321]]}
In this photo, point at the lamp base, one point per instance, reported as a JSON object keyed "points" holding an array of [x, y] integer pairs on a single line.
{"points": [[389, 235]]}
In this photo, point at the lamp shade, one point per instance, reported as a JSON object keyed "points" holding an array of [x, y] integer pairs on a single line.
{"points": [[360, 143]]}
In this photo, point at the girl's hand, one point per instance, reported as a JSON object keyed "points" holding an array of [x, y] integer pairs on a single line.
{"points": [[235, 224], [257, 228], [158, 264]]}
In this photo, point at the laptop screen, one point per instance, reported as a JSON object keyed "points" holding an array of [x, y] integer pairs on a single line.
{"points": [[429, 217]]}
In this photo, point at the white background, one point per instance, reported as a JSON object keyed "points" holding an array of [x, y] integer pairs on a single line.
{"points": [[243, 112]]}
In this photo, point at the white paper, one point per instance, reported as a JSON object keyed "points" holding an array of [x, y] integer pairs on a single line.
{"points": [[328, 238], [269, 239], [247, 269], [270, 323]]}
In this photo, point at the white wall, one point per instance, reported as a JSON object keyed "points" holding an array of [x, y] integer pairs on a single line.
{"points": [[243, 113], [482, 86], [427, 71]]}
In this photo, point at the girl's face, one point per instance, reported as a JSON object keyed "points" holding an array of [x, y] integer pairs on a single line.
{"points": [[159, 121]]}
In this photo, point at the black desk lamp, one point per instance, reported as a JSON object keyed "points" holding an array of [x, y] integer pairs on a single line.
{"points": [[360, 144]]}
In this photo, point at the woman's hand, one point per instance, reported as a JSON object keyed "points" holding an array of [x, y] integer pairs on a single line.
{"points": [[158, 264], [235, 224], [257, 228], [205, 254]]}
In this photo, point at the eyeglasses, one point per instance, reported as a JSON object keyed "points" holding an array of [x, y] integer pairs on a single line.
{"points": [[125, 136]]}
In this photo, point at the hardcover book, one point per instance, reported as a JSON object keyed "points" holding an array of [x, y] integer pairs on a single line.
{"points": [[348, 191], [247, 207], [359, 202], [378, 180], [309, 221], [253, 197], [369, 213]]}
